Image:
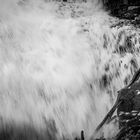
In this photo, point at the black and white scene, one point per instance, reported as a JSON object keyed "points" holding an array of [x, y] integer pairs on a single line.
{"points": [[69, 69]]}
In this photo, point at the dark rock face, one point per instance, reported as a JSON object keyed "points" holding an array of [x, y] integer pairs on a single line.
{"points": [[130, 105], [129, 111], [123, 8], [130, 97]]}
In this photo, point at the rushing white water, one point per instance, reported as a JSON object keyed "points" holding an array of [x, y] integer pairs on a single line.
{"points": [[57, 68]]}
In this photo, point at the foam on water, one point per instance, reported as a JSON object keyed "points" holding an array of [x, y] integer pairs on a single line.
{"points": [[62, 69]]}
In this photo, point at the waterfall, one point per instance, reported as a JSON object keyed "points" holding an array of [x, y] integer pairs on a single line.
{"points": [[60, 74]]}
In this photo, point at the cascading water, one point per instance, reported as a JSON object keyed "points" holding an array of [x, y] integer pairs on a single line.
{"points": [[60, 69]]}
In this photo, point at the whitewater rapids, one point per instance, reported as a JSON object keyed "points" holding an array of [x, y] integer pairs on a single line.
{"points": [[59, 72]]}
